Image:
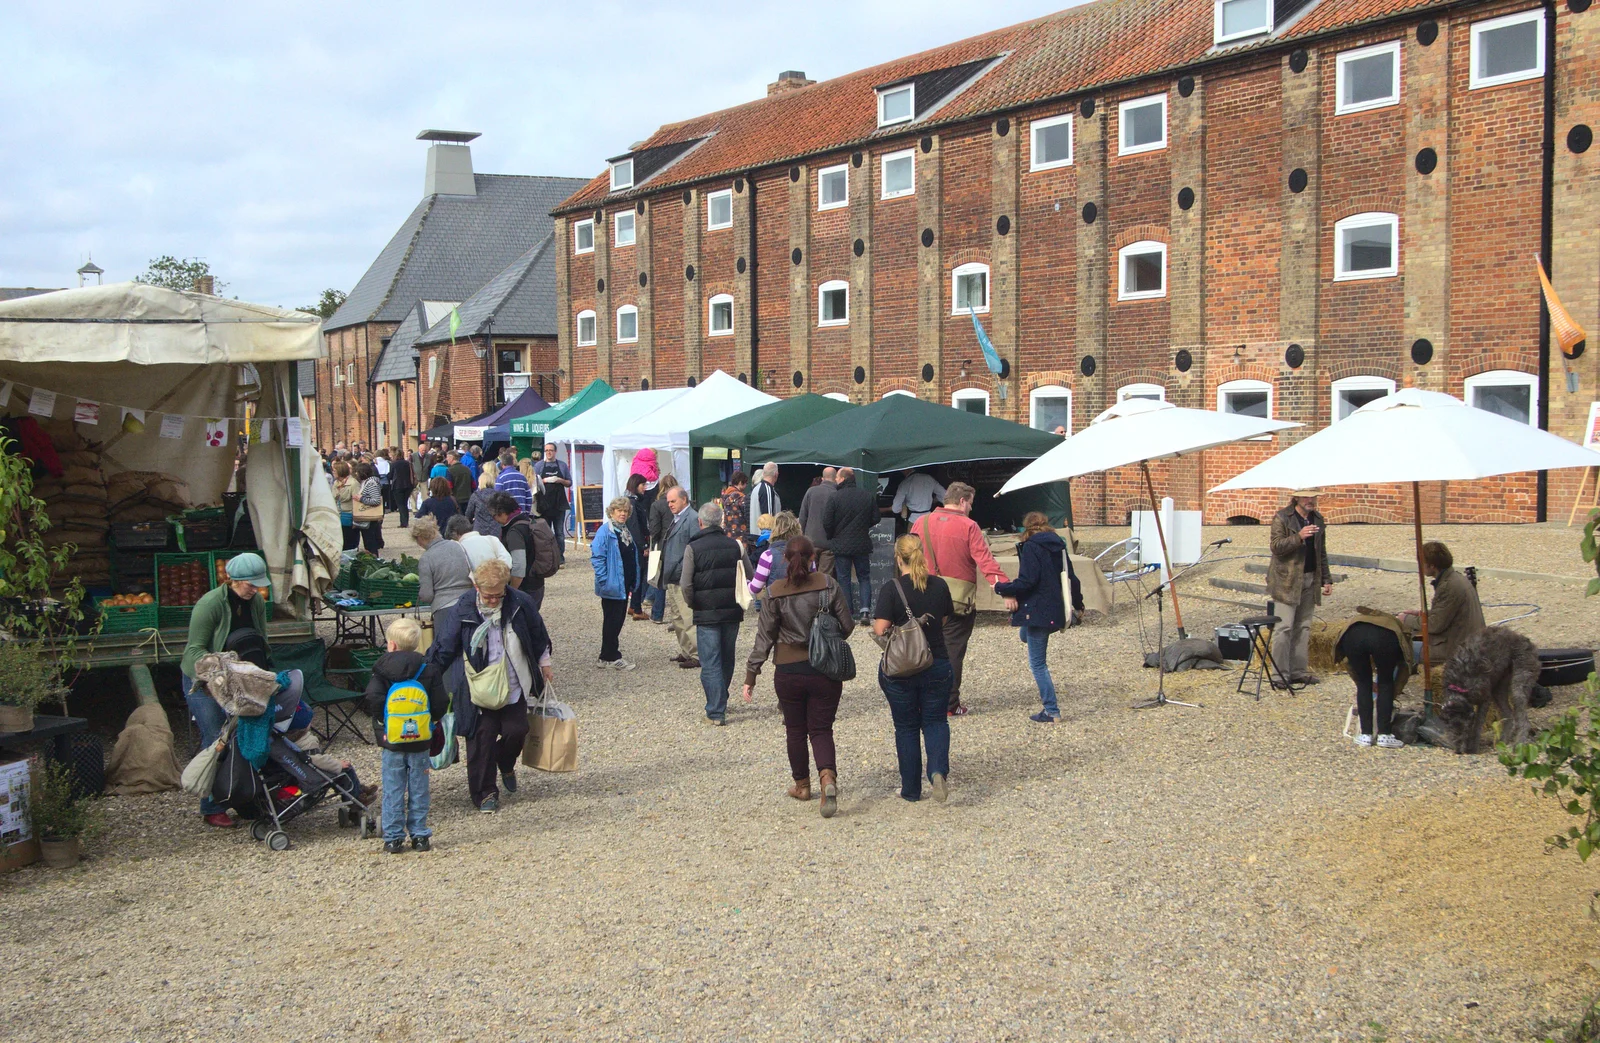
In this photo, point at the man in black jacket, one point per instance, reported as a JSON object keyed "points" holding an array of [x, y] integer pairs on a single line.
{"points": [[848, 518], [710, 575], [401, 483]]}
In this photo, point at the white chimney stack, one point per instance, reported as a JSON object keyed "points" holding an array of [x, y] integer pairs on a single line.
{"points": [[449, 163]]}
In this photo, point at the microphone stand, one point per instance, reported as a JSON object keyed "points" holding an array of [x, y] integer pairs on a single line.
{"points": [[1161, 638]]}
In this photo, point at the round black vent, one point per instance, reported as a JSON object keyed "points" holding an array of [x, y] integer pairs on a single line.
{"points": [[1427, 32], [639, 206], [927, 372], [1297, 61], [688, 197], [855, 159], [1579, 138], [1577, 6], [1577, 349], [1295, 357], [1005, 369], [744, 378], [1002, 126], [1185, 86], [691, 382], [644, 383], [739, 266], [1086, 367], [597, 216], [858, 247], [1427, 161], [1185, 198], [688, 273], [799, 379], [1003, 225], [1298, 180], [1090, 212], [600, 284], [794, 173], [1184, 361], [927, 144], [1087, 108], [927, 237], [738, 184], [1422, 351], [795, 255], [644, 279], [860, 374]]}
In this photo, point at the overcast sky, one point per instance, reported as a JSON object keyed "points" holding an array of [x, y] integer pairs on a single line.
{"points": [[276, 141]]}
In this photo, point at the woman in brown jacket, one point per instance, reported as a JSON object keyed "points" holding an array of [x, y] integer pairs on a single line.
{"points": [[1455, 614], [809, 700]]}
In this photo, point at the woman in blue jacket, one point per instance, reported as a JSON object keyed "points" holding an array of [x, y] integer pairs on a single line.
{"points": [[616, 573], [1036, 604]]}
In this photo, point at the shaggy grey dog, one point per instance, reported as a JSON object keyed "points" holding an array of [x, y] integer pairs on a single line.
{"points": [[1496, 665]]}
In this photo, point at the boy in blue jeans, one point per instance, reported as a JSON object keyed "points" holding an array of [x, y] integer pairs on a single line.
{"points": [[405, 762]]}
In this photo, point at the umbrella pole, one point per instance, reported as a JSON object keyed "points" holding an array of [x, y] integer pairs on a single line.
{"points": [[1166, 561], [1422, 592]]}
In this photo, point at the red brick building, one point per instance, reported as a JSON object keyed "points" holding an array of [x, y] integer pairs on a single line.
{"points": [[1284, 208]]}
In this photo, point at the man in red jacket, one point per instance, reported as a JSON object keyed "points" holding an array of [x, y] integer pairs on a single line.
{"points": [[955, 549]]}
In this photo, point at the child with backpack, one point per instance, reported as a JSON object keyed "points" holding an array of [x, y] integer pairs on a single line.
{"points": [[405, 699]]}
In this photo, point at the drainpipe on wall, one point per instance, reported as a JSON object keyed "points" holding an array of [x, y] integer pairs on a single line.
{"points": [[490, 363], [755, 283], [1546, 223], [422, 425]]}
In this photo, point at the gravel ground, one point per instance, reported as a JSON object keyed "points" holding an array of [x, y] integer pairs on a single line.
{"points": [[1237, 872]]}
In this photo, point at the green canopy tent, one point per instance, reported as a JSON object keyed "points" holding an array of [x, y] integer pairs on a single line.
{"points": [[527, 432], [733, 435], [899, 431]]}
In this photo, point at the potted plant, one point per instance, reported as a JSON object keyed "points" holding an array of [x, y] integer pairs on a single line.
{"points": [[26, 680], [61, 819]]}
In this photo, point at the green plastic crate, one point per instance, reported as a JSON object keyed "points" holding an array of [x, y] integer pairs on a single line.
{"points": [[125, 619], [389, 593], [173, 614], [176, 618]]}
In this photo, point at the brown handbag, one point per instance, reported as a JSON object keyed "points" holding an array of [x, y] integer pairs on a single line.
{"points": [[963, 592], [905, 651]]}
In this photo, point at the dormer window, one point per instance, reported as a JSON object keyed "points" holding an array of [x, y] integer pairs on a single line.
{"points": [[1238, 19], [622, 174], [896, 104]]}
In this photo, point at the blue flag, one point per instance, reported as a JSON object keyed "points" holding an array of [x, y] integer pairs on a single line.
{"points": [[990, 356]]}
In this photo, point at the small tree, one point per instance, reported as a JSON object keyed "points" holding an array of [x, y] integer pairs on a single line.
{"points": [[171, 273], [331, 299]]}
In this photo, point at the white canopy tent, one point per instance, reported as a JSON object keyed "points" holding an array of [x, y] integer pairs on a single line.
{"points": [[590, 430], [173, 353], [666, 430]]}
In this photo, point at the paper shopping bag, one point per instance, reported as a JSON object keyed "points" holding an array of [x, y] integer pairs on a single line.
{"points": [[552, 736]]}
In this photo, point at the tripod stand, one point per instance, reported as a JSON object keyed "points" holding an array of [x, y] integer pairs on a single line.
{"points": [[1161, 638]]}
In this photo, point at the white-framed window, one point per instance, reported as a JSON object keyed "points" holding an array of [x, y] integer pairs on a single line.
{"points": [[897, 104], [833, 187], [1050, 143], [1142, 271], [586, 328], [622, 174], [719, 209], [622, 229], [1246, 398], [1143, 125], [897, 391], [433, 370], [1154, 392], [838, 396], [969, 289], [627, 324], [900, 174], [1367, 78], [350, 373], [1050, 407], [1351, 393], [721, 311], [1506, 392], [833, 303], [971, 400], [1366, 246], [338, 375], [1237, 19], [1507, 49], [583, 236]]}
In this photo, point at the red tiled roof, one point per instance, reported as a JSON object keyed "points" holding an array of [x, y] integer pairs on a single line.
{"points": [[1073, 51]]}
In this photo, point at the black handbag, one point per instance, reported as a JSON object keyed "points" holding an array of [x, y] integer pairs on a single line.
{"points": [[827, 650]]}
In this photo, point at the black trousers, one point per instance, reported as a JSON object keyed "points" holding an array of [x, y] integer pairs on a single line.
{"points": [[495, 746], [1371, 649], [402, 503], [612, 613]]}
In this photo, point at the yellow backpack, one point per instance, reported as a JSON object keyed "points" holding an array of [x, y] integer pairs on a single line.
{"points": [[405, 711]]}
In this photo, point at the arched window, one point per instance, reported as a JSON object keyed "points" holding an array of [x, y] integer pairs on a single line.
{"points": [[1366, 246], [1142, 271], [1506, 392], [627, 324], [1050, 407], [721, 311], [1154, 392], [838, 395], [833, 303], [1351, 393], [586, 328], [897, 391], [969, 289], [973, 400], [1246, 398]]}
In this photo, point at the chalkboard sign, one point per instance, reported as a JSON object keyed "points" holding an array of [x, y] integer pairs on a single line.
{"points": [[591, 509]]}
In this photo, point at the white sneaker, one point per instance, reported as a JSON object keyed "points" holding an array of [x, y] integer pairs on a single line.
{"points": [[1363, 740], [1389, 742], [621, 664]]}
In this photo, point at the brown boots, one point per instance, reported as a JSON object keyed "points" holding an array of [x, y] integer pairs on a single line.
{"points": [[801, 790], [829, 780]]}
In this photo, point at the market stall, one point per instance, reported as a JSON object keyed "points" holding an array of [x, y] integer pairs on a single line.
{"points": [[582, 439], [666, 429], [527, 432], [495, 426], [725, 442]]}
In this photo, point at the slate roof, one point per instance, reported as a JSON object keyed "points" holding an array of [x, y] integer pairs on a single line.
{"points": [[11, 293], [398, 360], [521, 301], [1067, 54], [450, 245]]}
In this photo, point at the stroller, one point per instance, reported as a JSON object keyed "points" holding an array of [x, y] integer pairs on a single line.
{"points": [[289, 784]]}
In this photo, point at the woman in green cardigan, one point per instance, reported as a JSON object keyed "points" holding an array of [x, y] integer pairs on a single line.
{"points": [[236, 605]]}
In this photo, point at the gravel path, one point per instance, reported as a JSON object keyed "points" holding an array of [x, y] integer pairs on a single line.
{"points": [[1238, 872]]}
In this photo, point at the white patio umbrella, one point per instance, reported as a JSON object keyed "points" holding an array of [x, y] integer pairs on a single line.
{"points": [[1415, 436], [1137, 431]]}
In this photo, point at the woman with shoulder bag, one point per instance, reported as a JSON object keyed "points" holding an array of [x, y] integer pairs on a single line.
{"points": [[1038, 607], [809, 698], [344, 494], [367, 510], [914, 604]]}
